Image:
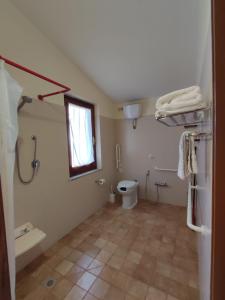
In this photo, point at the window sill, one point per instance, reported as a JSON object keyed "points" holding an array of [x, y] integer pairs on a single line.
{"points": [[83, 174]]}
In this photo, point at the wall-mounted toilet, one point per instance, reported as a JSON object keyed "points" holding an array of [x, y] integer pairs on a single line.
{"points": [[128, 190]]}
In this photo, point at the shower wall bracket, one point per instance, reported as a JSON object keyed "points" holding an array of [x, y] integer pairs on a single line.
{"points": [[27, 70]]}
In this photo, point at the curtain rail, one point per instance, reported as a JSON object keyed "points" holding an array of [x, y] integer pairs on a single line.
{"points": [[27, 70]]}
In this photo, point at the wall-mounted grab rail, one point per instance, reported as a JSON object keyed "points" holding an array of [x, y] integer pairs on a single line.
{"points": [[118, 157], [165, 170]]}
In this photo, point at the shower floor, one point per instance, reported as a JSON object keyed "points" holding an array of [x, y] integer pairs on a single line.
{"points": [[146, 253]]}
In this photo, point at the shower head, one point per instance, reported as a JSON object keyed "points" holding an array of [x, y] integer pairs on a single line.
{"points": [[25, 99]]}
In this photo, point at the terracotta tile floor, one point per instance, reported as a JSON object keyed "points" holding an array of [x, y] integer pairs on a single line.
{"points": [[142, 254]]}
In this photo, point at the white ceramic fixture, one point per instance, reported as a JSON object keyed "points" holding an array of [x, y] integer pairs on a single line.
{"points": [[128, 190], [132, 111]]}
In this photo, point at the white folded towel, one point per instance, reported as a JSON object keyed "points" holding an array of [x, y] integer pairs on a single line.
{"points": [[187, 157], [180, 101]]}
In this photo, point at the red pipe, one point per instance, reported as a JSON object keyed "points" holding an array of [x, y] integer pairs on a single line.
{"points": [[40, 97]]}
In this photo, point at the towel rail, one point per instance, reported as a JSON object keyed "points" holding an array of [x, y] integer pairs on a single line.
{"points": [[201, 229], [197, 187], [200, 134]]}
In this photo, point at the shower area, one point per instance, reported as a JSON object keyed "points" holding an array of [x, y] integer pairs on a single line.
{"points": [[25, 109], [41, 183]]}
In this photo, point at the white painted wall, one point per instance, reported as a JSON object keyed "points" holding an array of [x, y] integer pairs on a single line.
{"points": [[151, 144]]}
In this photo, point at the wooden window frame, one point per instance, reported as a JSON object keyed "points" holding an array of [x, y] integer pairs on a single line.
{"points": [[76, 171]]}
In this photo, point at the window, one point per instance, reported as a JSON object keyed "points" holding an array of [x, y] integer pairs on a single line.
{"points": [[80, 116]]}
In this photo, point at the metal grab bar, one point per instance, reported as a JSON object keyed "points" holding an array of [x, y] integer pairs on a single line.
{"points": [[118, 155], [166, 170], [202, 229]]}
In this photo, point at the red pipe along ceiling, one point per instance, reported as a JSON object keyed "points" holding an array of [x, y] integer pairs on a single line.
{"points": [[25, 69]]}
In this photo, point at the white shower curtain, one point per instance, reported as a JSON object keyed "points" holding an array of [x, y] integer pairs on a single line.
{"points": [[10, 93]]}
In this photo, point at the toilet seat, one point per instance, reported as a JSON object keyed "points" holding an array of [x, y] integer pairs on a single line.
{"points": [[127, 185]]}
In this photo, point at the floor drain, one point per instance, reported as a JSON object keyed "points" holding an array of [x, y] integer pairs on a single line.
{"points": [[49, 283]]}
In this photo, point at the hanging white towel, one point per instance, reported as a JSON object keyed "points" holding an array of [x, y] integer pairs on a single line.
{"points": [[187, 157], [192, 159], [10, 93], [183, 156], [180, 101]]}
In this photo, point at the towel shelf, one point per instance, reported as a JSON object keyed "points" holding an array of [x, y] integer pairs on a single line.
{"points": [[189, 118]]}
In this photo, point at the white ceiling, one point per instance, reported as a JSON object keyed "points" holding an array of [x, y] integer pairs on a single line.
{"points": [[130, 48]]}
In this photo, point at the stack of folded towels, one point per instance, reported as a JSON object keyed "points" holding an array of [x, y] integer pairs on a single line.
{"points": [[185, 100]]}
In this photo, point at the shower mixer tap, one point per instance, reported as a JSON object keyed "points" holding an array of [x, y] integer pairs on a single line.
{"points": [[35, 164]]}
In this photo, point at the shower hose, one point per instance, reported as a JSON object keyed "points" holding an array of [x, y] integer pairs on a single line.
{"points": [[34, 164]]}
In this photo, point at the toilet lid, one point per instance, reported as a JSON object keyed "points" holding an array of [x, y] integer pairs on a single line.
{"points": [[127, 183]]}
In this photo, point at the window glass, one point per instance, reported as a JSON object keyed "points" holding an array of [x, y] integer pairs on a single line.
{"points": [[80, 116], [81, 135]]}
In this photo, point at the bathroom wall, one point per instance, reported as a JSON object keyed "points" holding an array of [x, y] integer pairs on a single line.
{"points": [[151, 144], [204, 178], [52, 202]]}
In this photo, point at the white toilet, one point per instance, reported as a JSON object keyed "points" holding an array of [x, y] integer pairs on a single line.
{"points": [[128, 189]]}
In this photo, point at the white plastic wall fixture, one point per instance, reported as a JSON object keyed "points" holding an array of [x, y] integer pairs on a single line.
{"points": [[27, 237], [132, 111]]}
